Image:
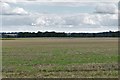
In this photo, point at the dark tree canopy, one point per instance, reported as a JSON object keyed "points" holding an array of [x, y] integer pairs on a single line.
{"points": [[59, 34]]}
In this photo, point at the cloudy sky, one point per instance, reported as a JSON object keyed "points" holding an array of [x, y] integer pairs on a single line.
{"points": [[72, 16]]}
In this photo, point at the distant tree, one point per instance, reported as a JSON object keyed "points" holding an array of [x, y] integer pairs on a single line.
{"points": [[61, 34]]}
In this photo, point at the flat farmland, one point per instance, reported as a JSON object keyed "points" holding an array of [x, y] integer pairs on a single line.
{"points": [[60, 57]]}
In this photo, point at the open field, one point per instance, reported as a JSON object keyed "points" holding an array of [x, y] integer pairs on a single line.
{"points": [[60, 57]]}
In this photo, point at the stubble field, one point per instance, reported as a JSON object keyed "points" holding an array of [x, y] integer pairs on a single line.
{"points": [[60, 57]]}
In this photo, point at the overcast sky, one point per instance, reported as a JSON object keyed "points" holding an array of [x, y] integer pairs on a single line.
{"points": [[35, 15]]}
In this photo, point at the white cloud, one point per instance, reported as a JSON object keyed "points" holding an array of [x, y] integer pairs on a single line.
{"points": [[75, 20], [11, 1], [5, 8], [78, 20], [88, 20], [14, 1], [60, 22], [106, 8], [18, 10], [8, 10], [54, 22]]}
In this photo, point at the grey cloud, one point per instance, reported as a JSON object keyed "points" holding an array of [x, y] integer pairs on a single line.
{"points": [[47, 20], [16, 20], [106, 8]]}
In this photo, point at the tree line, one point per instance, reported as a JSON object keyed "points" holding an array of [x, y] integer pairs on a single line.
{"points": [[59, 34]]}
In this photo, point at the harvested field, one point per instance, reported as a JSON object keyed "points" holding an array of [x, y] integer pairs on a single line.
{"points": [[60, 57]]}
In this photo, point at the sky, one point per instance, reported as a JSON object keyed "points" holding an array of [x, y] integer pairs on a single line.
{"points": [[59, 16]]}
